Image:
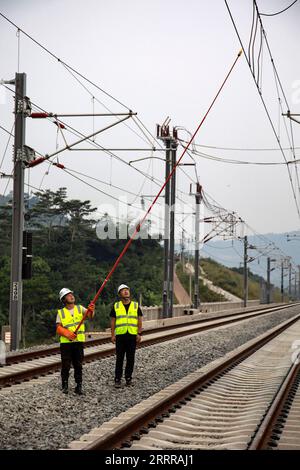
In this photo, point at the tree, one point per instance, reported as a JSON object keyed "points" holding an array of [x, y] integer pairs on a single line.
{"points": [[67, 253], [4, 289], [38, 296], [5, 229]]}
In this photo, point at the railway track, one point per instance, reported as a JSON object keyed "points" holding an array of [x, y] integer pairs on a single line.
{"points": [[33, 364], [23, 356], [249, 399], [280, 427]]}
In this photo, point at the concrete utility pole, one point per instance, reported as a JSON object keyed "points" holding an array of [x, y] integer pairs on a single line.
{"points": [[290, 281], [198, 197], [268, 279], [245, 270], [281, 286], [298, 282], [172, 224], [15, 307], [269, 269], [167, 234], [163, 133], [182, 248]]}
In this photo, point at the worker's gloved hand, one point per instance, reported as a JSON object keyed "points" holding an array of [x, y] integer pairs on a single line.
{"points": [[91, 310], [60, 330], [70, 335]]}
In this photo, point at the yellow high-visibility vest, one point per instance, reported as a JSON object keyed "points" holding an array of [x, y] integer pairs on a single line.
{"points": [[70, 322], [126, 321]]}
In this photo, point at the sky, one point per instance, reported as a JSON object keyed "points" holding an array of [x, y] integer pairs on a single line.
{"points": [[159, 58]]}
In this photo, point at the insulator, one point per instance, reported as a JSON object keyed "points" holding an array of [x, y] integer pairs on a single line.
{"points": [[39, 115], [60, 125], [59, 165], [36, 161]]}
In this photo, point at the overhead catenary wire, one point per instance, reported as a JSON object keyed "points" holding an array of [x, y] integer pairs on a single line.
{"points": [[72, 71], [72, 130], [239, 149], [279, 83], [251, 33], [66, 65], [95, 179], [63, 62], [129, 204], [266, 109], [94, 98], [137, 229], [75, 174], [268, 245], [253, 45], [240, 162], [260, 58], [267, 242], [75, 72], [281, 11], [7, 144]]}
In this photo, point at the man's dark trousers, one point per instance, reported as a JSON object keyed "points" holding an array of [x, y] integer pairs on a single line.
{"points": [[71, 353], [125, 344]]}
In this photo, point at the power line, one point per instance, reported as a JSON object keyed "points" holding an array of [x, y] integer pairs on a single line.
{"points": [[278, 81], [74, 131], [265, 107], [240, 149], [7, 144], [130, 205], [102, 104], [279, 12], [238, 162], [73, 71], [267, 242], [63, 62], [95, 179]]}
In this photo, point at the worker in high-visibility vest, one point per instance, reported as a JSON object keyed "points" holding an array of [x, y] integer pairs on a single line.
{"points": [[71, 344], [126, 331]]}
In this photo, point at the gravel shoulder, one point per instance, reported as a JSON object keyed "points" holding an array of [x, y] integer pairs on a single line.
{"points": [[41, 417]]}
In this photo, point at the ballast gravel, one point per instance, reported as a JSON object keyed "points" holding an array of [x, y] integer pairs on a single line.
{"points": [[41, 417]]}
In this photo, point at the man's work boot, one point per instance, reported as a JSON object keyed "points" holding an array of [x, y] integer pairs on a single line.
{"points": [[65, 387], [129, 382], [78, 389], [117, 383]]}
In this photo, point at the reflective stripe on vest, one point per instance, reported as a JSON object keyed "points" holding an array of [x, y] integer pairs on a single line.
{"points": [[70, 322], [126, 322]]}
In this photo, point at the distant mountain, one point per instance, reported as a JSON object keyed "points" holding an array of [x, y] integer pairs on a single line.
{"points": [[29, 200], [231, 252], [5, 199]]}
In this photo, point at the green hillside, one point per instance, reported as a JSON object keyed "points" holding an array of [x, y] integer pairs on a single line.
{"points": [[232, 279], [206, 295], [68, 253], [229, 279]]}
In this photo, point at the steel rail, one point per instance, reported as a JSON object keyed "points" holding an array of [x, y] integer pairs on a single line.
{"points": [[17, 376], [55, 349], [123, 434]]}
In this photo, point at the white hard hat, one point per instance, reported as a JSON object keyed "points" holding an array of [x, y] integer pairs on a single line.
{"points": [[122, 286], [64, 292]]}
